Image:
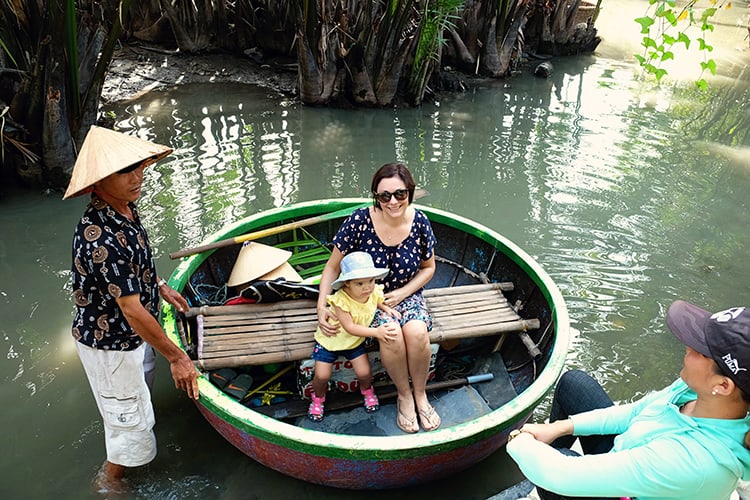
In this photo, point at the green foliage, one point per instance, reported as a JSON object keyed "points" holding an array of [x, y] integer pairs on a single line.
{"points": [[665, 26], [438, 15], [8, 52], [71, 45]]}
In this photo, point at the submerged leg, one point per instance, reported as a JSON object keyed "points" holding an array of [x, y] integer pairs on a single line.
{"points": [[109, 479]]}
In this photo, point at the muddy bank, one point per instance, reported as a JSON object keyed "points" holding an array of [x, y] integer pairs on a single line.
{"points": [[137, 69]]}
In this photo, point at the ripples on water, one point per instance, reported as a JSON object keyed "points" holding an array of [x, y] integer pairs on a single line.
{"points": [[615, 187], [595, 177]]}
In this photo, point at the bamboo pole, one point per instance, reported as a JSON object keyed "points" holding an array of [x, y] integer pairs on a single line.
{"points": [[433, 295], [262, 233], [249, 334], [297, 350]]}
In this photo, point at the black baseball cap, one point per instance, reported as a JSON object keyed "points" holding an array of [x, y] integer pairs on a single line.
{"points": [[723, 336]]}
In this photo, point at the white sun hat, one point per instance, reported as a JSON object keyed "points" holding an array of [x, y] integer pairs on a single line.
{"points": [[105, 152], [358, 265]]}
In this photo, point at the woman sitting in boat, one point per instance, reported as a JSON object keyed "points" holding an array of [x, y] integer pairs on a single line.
{"points": [[399, 237], [686, 441], [355, 302]]}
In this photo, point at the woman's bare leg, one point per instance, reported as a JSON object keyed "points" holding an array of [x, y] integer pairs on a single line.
{"points": [[393, 357], [418, 358]]}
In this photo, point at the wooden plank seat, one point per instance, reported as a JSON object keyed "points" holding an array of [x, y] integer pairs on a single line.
{"points": [[253, 334]]}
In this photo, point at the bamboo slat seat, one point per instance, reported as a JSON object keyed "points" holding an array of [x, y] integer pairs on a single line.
{"points": [[253, 334]]}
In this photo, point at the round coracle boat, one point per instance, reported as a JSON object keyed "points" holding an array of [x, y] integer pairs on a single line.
{"points": [[499, 343]]}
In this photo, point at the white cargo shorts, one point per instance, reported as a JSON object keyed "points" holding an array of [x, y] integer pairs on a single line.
{"points": [[124, 401]]}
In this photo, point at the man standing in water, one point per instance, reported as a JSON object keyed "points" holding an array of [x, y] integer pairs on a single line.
{"points": [[116, 292]]}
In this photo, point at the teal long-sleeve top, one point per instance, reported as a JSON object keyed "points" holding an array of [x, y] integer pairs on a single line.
{"points": [[658, 453]]}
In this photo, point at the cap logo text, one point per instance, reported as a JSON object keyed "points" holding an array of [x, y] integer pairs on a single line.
{"points": [[727, 315], [732, 364]]}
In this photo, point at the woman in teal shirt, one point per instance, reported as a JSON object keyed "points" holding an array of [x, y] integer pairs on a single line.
{"points": [[685, 441]]}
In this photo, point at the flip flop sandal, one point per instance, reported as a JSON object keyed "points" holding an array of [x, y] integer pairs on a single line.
{"points": [[428, 416], [238, 387], [411, 422], [220, 378]]}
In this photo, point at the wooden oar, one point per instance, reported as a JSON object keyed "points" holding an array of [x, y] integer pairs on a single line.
{"points": [[297, 408], [418, 193]]}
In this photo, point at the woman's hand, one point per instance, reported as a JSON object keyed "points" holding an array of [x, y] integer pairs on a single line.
{"points": [[394, 297], [327, 322], [547, 433], [173, 297]]}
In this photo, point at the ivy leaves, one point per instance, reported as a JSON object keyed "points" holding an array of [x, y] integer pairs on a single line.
{"points": [[665, 26]]}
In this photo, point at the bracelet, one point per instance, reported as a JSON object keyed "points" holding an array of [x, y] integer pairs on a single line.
{"points": [[161, 283], [514, 433]]}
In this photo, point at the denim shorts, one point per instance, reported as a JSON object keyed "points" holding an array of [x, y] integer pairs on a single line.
{"points": [[323, 355]]}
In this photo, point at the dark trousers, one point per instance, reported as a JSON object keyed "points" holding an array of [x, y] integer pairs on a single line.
{"points": [[577, 392]]}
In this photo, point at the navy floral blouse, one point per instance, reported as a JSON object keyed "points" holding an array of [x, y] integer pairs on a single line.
{"points": [[357, 233], [111, 258]]}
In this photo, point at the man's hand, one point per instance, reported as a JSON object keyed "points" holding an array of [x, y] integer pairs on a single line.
{"points": [[173, 297], [185, 376]]}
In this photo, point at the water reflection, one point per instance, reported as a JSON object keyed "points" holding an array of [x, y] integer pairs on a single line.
{"points": [[629, 195], [606, 184]]}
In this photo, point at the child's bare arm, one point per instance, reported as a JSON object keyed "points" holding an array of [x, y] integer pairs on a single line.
{"points": [[389, 311], [384, 332], [348, 324]]}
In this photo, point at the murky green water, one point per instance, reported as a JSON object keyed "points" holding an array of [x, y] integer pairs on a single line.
{"points": [[616, 187]]}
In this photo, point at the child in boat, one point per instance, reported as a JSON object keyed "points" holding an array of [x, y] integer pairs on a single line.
{"points": [[354, 303]]}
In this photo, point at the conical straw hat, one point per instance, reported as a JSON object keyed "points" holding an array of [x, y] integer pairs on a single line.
{"points": [[104, 152], [255, 260], [285, 271]]}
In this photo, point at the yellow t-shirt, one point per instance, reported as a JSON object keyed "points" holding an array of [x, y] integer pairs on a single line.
{"points": [[362, 314]]}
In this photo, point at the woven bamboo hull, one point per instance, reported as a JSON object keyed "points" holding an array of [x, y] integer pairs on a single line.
{"points": [[379, 462]]}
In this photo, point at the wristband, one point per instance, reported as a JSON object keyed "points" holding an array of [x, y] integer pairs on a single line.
{"points": [[514, 433], [161, 283]]}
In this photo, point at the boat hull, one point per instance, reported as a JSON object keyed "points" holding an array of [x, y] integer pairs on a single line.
{"points": [[379, 462], [350, 473]]}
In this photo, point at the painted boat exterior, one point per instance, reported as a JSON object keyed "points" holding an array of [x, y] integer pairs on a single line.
{"points": [[379, 462]]}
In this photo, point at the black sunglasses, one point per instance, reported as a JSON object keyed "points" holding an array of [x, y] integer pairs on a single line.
{"points": [[385, 196]]}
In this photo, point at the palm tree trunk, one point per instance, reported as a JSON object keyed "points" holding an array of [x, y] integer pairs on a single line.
{"points": [[63, 53], [57, 147]]}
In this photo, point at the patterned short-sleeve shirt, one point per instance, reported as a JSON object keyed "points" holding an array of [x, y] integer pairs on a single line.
{"points": [[111, 258], [357, 233]]}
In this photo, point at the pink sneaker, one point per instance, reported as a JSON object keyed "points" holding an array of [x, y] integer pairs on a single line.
{"points": [[371, 400], [316, 409]]}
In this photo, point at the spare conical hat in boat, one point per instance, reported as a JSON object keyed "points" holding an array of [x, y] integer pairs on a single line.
{"points": [[285, 271], [105, 152], [255, 260]]}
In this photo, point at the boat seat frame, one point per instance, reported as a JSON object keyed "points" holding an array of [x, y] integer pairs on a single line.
{"points": [[257, 334]]}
